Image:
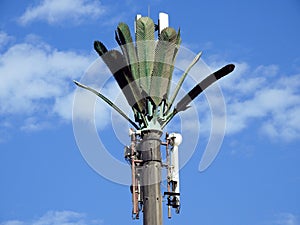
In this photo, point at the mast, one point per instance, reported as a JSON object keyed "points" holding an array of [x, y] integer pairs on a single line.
{"points": [[151, 177], [143, 71]]}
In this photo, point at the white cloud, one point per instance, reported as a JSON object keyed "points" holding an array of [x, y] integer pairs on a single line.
{"points": [[266, 103], [36, 83], [261, 96], [270, 101], [37, 86], [13, 222], [55, 11], [286, 219], [270, 70], [63, 105], [4, 39], [33, 124], [57, 218], [35, 79]]}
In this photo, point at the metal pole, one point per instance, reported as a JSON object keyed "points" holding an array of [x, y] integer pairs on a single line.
{"points": [[151, 177]]}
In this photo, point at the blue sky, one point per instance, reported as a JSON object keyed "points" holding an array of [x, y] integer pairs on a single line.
{"points": [[45, 44]]}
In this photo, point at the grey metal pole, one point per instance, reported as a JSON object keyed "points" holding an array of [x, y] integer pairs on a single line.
{"points": [[151, 177]]}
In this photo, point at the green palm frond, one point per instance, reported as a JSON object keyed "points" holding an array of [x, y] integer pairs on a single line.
{"points": [[182, 78], [163, 65], [107, 101], [192, 94], [183, 104], [144, 72], [178, 42], [145, 50]]}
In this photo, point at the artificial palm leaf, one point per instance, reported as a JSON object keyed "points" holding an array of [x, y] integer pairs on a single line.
{"points": [[124, 39], [107, 101], [183, 104], [182, 78], [100, 48], [145, 50], [178, 42], [116, 62], [186, 100], [163, 65]]}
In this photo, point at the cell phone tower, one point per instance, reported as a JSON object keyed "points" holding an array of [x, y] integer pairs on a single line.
{"points": [[143, 70]]}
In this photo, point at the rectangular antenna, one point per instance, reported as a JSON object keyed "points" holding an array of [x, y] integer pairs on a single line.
{"points": [[163, 21], [136, 19]]}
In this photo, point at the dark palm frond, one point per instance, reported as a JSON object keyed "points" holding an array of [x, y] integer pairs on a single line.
{"points": [[183, 104], [100, 48], [117, 38], [199, 88], [124, 39], [182, 78], [116, 62]]}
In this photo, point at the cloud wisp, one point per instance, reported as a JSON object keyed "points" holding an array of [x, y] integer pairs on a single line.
{"points": [[56, 11], [286, 219], [5, 39], [57, 217], [266, 98]]}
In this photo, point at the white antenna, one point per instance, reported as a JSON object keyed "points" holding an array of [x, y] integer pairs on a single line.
{"points": [[163, 21], [136, 19], [175, 140]]}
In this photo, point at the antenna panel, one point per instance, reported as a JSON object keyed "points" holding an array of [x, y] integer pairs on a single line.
{"points": [[136, 19], [163, 21]]}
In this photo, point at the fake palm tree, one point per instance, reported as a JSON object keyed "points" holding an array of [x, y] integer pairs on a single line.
{"points": [[143, 70]]}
